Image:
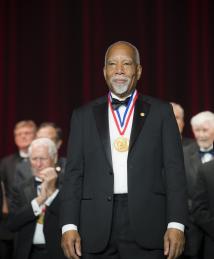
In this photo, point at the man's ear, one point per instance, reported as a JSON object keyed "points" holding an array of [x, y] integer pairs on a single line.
{"points": [[104, 72], [139, 71]]}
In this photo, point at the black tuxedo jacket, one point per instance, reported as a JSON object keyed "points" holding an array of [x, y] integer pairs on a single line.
{"points": [[7, 172], [194, 235], [156, 179], [192, 161], [23, 222], [203, 205]]}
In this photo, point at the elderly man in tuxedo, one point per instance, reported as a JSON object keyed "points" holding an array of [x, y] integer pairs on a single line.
{"points": [[45, 130], [33, 204], [194, 155], [124, 193], [203, 206]]}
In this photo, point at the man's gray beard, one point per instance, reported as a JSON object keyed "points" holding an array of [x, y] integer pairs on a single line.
{"points": [[120, 88]]}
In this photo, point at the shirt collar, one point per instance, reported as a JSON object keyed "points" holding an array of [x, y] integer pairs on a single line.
{"points": [[118, 98], [206, 149], [23, 154]]}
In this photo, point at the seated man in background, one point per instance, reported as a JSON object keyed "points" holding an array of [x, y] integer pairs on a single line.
{"points": [[196, 154], [30, 204], [203, 206], [179, 115], [24, 133], [45, 130]]}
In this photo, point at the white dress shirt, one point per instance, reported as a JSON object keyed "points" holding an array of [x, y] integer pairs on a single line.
{"points": [[38, 237]]}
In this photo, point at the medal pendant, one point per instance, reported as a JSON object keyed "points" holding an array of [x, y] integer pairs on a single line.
{"points": [[121, 144]]}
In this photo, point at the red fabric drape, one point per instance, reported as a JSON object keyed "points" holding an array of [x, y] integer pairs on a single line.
{"points": [[52, 55]]}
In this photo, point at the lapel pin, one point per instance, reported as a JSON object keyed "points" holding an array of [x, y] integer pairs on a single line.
{"points": [[142, 114]]}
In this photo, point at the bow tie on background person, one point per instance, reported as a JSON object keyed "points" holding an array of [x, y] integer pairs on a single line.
{"points": [[117, 103], [37, 182], [206, 152]]}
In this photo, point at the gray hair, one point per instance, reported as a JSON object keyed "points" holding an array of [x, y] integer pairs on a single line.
{"points": [[44, 142], [137, 55], [202, 117]]}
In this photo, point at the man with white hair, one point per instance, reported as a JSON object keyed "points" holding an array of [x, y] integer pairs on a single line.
{"points": [[31, 200], [195, 155]]}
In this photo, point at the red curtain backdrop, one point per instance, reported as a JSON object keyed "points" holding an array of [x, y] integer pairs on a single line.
{"points": [[52, 55]]}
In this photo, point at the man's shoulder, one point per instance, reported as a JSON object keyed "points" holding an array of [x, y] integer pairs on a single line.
{"points": [[153, 100], [8, 162], [190, 149], [10, 158], [89, 106]]}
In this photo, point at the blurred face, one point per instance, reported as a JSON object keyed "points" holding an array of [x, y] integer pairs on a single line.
{"points": [[40, 159], [49, 132], [23, 137], [121, 71], [204, 134], [179, 119]]}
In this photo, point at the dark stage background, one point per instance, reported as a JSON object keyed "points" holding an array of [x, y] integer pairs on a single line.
{"points": [[52, 53]]}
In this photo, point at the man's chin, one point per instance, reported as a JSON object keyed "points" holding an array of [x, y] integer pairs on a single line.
{"points": [[204, 145], [120, 92]]}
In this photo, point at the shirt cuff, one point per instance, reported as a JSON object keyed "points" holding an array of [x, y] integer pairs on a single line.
{"points": [[176, 225], [51, 198], [36, 208], [68, 227]]}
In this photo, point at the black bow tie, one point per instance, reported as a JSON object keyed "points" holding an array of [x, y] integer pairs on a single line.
{"points": [[202, 153], [37, 183], [117, 103]]}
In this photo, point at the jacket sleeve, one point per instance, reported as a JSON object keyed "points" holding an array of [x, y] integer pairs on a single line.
{"points": [[21, 212], [70, 194]]}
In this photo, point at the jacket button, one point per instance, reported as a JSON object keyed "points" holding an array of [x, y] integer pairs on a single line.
{"points": [[110, 172], [109, 198]]}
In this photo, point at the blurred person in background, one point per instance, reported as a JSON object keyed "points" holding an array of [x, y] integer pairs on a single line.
{"points": [[45, 130], [179, 116], [32, 206], [24, 133], [196, 154], [203, 206]]}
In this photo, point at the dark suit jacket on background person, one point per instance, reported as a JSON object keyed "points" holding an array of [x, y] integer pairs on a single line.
{"points": [[7, 172], [155, 174], [194, 235], [187, 141], [52, 231], [203, 206], [23, 221], [1, 200]]}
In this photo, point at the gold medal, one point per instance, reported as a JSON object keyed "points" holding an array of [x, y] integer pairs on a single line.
{"points": [[121, 144]]}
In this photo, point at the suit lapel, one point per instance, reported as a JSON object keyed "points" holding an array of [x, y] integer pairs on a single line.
{"points": [[30, 190], [140, 114], [195, 162], [101, 118]]}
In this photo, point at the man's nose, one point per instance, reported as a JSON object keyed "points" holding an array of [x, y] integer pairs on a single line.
{"points": [[38, 163], [119, 69]]}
